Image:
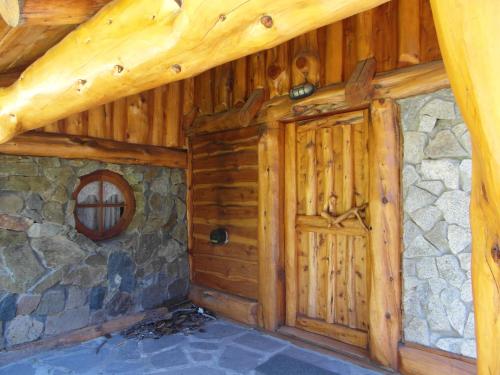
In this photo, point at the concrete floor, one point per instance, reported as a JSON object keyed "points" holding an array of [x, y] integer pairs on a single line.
{"points": [[223, 349]]}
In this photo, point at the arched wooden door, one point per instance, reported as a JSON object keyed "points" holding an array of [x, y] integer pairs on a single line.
{"points": [[327, 263]]}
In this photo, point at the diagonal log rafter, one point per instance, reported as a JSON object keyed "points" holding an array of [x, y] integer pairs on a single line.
{"points": [[135, 45]]}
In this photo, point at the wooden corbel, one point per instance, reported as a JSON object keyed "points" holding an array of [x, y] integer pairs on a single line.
{"points": [[359, 87], [233, 119]]}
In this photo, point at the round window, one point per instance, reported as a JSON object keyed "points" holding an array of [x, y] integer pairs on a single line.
{"points": [[105, 205]]}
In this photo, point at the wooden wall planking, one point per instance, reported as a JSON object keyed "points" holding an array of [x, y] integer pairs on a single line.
{"points": [[224, 193], [150, 118], [398, 33]]}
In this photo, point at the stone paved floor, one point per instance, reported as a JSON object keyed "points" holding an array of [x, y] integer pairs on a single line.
{"points": [[223, 349]]}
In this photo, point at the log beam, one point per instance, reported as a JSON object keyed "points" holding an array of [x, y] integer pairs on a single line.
{"points": [[48, 12], [467, 33], [76, 147], [238, 308], [397, 84], [132, 46], [7, 79]]}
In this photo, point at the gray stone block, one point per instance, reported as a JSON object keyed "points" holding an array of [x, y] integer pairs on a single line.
{"points": [[169, 358], [77, 297], [260, 342], [23, 329], [164, 342], [455, 207], [8, 307], [68, 320], [27, 303], [445, 145], [239, 360], [52, 302]]}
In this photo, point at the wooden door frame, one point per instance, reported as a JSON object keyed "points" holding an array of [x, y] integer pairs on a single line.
{"points": [[385, 213]]}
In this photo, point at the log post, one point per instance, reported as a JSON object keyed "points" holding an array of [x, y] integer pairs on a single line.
{"points": [[133, 46], [48, 12], [468, 37], [271, 267], [385, 236]]}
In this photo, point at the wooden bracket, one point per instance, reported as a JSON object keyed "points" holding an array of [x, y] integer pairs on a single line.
{"points": [[236, 118], [359, 87]]}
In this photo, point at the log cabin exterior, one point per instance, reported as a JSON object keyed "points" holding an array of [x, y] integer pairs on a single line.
{"points": [[312, 191]]}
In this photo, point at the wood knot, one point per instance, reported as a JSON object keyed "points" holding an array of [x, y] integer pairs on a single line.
{"points": [[495, 253], [388, 315], [118, 69], [267, 21], [301, 62], [176, 68], [81, 84], [222, 17], [385, 200], [179, 3], [273, 71]]}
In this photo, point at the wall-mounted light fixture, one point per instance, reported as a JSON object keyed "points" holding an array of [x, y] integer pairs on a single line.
{"points": [[219, 236], [302, 91]]}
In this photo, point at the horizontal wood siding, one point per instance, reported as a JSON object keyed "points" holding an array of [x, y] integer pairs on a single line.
{"points": [[225, 194]]}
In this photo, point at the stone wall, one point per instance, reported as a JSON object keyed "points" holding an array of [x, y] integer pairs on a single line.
{"points": [[438, 310], [53, 279]]}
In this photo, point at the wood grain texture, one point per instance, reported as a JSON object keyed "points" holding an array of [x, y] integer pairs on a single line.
{"points": [[240, 309], [420, 360], [224, 193], [270, 229], [102, 61], [77, 147], [385, 234], [48, 12], [471, 54]]}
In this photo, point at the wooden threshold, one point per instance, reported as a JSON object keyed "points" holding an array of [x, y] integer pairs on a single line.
{"points": [[419, 360], [327, 346], [324, 342]]}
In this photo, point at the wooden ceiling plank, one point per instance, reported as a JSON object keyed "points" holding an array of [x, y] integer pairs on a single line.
{"points": [[134, 45], [48, 12]]}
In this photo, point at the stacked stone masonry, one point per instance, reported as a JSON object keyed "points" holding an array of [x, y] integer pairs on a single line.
{"points": [[53, 279], [438, 309]]}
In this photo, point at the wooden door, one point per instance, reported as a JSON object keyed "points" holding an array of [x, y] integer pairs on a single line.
{"points": [[327, 265]]}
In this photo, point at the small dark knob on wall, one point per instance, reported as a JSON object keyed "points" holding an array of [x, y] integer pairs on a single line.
{"points": [[219, 236]]}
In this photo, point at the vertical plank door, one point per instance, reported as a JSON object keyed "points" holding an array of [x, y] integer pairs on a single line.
{"points": [[327, 265]]}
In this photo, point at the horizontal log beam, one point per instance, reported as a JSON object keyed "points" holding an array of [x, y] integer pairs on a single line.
{"points": [[131, 46], [397, 84], [7, 79], [76, 147], [48, 12], [420, 360], [234, 307]]}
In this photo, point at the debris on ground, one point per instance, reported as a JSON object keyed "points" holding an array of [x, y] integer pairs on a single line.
{"points": [[185, 319]]}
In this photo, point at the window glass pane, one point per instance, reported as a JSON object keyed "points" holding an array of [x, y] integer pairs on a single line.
{"points": [[112, 194], [89, 194], [111, 216], [89, 217]]}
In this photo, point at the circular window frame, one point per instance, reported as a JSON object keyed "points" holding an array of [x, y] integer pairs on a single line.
{"points": [[128, 205]]}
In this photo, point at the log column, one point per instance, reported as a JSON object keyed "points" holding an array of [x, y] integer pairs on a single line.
{"points": [[385, 235], [271, 268], [468, 37]]}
